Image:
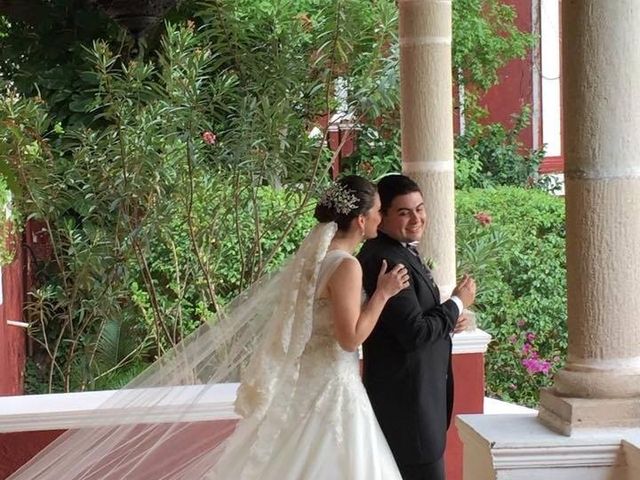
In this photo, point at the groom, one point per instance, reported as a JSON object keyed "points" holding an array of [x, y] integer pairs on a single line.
{"points": [[407, 357]]}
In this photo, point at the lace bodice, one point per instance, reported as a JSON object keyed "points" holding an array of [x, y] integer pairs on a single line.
{"points": [[323, 342], [322, 322]]}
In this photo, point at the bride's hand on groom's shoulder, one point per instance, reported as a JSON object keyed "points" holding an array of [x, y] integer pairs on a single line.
{"points": [[393, 281]]}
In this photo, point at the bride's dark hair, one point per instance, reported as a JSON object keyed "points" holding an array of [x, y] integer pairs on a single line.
{"points": [[353, 196]]}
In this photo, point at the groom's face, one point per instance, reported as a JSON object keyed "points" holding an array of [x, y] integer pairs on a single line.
{"points": [[405, 219]]}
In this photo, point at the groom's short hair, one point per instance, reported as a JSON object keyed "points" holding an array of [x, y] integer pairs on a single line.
{"points": [[392, 186]]}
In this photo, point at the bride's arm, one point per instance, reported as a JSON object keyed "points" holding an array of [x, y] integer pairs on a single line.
{"points": [[353, 322]]}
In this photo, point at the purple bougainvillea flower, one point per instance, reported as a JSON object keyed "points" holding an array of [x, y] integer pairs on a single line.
{"points": [[536, 365]]}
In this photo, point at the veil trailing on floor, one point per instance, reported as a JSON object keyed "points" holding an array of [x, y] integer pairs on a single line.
{"points": [[258, 341]]}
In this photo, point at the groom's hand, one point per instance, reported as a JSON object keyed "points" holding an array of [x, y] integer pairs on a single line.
{"points": [[466, 290], [462, 324]]}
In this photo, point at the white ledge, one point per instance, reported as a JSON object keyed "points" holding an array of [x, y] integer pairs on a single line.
{"points": [[632, 453], [520, 441], [62, 411], [473, 341], [493, 406]]}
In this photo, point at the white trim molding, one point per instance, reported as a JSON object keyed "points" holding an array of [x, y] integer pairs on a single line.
{"points": [[424, 40], [471, 341], [428, 166], [63, 411]]}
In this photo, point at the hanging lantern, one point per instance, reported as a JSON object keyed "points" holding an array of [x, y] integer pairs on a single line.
{"points": [[136, 16]]}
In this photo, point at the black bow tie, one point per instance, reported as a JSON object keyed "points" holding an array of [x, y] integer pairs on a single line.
{"points": [[413, 248]]}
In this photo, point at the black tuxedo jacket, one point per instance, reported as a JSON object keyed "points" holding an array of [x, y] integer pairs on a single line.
{"points": [[407, 358]]}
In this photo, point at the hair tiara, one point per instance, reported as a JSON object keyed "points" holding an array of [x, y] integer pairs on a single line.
{"points": [[339, 198]]}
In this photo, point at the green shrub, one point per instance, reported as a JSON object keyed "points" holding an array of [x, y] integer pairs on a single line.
{"points": [[513, 240], [493, 155], [188, 186]]}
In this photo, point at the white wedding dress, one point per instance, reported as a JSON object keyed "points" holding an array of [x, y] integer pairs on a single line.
{"points": [[330, 431]]}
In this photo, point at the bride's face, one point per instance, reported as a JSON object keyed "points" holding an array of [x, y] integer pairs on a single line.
{"points": [[372, 219]]}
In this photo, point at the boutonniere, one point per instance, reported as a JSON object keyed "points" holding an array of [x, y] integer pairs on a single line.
{"points": [[430, 263]]}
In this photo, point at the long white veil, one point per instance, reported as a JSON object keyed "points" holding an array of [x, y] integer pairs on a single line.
{"points": [[258, 341]]}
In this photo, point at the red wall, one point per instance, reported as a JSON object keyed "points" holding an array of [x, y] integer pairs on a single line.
{"points": [[18, 448], [12, 339], [516, 82], [468, 372], [191, 440], [15, 278]]}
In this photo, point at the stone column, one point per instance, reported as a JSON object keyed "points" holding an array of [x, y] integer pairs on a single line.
{"points": [[600, 384], [427, 124]]}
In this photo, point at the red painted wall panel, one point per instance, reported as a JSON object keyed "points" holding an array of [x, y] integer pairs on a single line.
{"points": [[552, 165], [468, 371], [12, 338], [18, 448], [516, 82]]}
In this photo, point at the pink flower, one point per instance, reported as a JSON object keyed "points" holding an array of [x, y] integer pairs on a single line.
{"points": [[536, 365], [483, 218], [531, 336], [526, 348], [513, 339], [521, 323], [209, 137], [529, 364]]}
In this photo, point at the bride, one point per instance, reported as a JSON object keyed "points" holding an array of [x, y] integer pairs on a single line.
{"points": [[305, 413], [329, 430]]}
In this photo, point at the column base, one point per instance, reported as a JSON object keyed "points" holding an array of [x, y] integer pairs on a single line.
{"points": [[519, 447], [589, 381], [568, 416]]}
